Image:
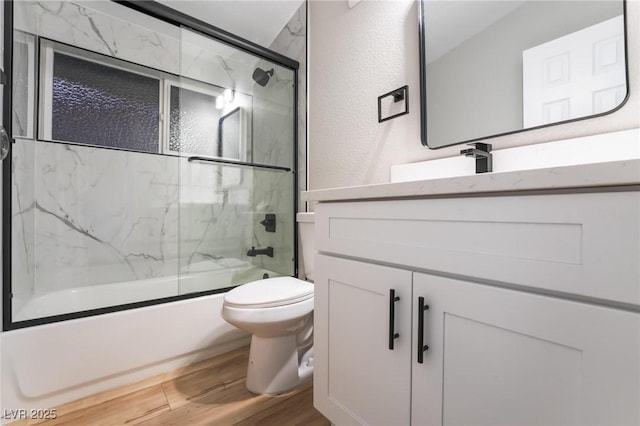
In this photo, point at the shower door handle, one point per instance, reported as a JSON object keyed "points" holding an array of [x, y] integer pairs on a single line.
{"points": [[5, 140], [5, 143], [392, 317]]}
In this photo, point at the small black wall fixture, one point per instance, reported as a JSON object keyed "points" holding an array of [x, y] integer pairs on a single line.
{"points": [[269, 222], [399, 95], [253, 252]]}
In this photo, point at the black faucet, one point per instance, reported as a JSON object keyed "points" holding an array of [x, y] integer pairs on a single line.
{"points": [[482, 153], [253, 252]]}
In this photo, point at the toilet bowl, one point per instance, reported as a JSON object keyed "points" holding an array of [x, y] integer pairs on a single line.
{"points": [[278, 312]]}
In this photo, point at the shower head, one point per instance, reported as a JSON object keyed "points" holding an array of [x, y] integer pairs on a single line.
{"points": [[261, 76]]}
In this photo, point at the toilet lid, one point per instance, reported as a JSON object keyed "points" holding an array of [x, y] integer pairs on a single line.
{"points": [[269, 292]]}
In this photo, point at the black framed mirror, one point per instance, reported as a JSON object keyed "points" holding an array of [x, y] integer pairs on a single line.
{"points": [[493, 68]]}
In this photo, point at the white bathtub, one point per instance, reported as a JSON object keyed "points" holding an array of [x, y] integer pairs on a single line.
{"points": [[79, 299], [49, 365]]}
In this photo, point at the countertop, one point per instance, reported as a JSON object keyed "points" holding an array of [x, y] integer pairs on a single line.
{"points": [[594, 175]]}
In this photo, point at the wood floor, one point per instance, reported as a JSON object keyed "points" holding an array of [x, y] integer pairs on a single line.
{"points": [[211, 392]]}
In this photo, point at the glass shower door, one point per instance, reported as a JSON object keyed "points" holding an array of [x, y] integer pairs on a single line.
{"points": [[93, 222], [151, 163], [237, 172]]}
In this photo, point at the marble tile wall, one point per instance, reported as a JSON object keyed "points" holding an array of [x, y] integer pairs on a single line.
{"points": [[92, 29], [22, 221], [105, 27], [292, 42], [85, 216], [273, 122]]}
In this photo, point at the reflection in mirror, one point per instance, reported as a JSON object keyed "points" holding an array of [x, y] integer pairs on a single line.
{"points": [[491, 68]]}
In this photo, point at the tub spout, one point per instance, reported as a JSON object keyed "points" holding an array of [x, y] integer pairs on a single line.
{"points": [[253, 252]]}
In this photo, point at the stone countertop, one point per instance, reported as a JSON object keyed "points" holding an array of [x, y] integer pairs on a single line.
{"points": [[595, 175]]}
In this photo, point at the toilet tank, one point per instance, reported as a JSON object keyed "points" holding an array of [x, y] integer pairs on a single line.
{"points": [[305, 226]]}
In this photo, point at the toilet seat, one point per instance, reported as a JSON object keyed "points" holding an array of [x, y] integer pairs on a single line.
{"points": [[269, 293]]}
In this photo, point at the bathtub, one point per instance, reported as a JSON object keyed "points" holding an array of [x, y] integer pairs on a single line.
{"points": [[49, 365], [79, 299]]}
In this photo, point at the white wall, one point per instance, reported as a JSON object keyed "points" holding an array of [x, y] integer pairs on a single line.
{"points": [[358, 54]]}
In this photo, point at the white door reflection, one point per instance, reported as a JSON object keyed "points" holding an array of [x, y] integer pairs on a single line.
{"points": [[577, 75]]}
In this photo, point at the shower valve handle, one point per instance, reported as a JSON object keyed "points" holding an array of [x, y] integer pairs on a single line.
{"points": [[269, 222]]}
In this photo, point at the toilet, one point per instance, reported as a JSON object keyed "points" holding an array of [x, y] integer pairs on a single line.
{"points": [[278, 312]]}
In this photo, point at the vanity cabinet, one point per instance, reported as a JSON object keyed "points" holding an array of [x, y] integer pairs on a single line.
{"points": [[361, 380], [499, 351], [504, 357]]}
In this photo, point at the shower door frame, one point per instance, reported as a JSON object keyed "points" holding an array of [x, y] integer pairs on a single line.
{"points": [[7, 164], [173, 17]]}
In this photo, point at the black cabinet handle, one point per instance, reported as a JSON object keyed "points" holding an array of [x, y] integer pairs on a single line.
{"points": [[392, 317], [421, 346]]}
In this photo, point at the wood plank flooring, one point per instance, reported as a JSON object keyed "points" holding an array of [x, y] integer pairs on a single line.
{"points": [[211, 392]]}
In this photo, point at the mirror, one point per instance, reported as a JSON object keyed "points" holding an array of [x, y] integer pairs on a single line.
{"points": [[491, 68]]}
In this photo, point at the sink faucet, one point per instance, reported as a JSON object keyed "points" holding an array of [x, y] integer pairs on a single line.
{"points": [[482, 153], [253, 252]]}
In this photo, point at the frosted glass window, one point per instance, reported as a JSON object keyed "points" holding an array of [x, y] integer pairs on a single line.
{"points": [[193, 126], [97, 104]]}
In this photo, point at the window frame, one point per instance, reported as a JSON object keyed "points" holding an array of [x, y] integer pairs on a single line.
{"points": [[188, 84], [45, 99], [44, 106], [209, 89]]}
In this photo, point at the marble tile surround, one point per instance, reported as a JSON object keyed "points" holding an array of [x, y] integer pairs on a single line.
{"points": [[274, 115], [91, 25], [90, 29], [292, 42], [89, 216], [85, 216]]}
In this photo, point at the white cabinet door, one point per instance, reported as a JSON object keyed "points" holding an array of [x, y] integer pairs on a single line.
{"points": [[503, 357], [357, 378]]}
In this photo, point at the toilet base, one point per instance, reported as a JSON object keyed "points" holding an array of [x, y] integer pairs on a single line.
{"points": [[273, 364]]}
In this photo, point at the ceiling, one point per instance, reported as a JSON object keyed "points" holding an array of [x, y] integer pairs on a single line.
{"points": [[259, 21]]}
